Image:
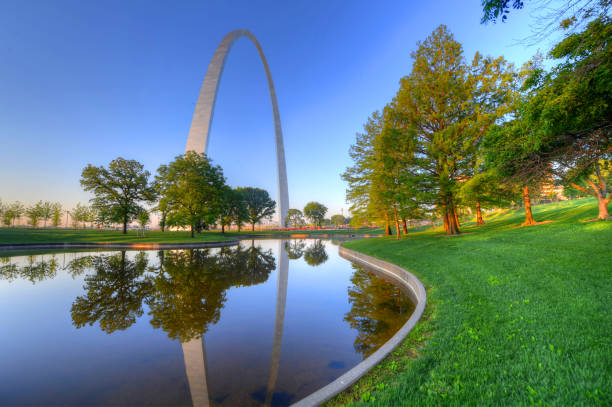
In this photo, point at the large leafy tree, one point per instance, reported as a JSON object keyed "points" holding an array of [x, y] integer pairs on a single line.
{"points": [[569, 112], [119, 190], [445, 106], [191, 191], [562, 125], [258, 203], [295, 218], [315, 211]]}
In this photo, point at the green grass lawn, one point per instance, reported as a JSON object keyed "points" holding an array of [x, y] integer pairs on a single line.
{"points": [[515, 315], [52, 235], [23, 235]]}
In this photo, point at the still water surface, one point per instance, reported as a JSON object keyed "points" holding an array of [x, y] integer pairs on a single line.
{"points": [[263, 323]]}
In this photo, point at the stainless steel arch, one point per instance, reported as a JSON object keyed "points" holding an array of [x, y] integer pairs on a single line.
{"points": [[202, 117]]}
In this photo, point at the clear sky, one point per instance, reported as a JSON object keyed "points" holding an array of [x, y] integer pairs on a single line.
{"points": [[86, 82]]}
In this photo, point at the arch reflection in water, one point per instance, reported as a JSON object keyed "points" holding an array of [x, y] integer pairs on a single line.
{"points": [[260, 354]]}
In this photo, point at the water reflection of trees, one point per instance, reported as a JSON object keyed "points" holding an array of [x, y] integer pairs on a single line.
{"points": [[378, 310], [114, 294], [35, 269], [295, 249], [185, 290], [189, 288], [315, 254]]}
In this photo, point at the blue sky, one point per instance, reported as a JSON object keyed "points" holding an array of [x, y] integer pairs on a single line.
{"points": [[86, 82]]}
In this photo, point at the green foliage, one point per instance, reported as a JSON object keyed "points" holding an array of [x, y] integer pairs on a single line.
{"points": [[295, 218], [338, 220], [144, 218], [56, 214], [233, 208], [12, 212], [315, 211], [495, 9], [34, 214], [119, 189], [191, 191], [258, 203]]}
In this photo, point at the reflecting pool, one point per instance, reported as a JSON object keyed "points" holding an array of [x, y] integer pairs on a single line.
{"points": [[263, 323]]}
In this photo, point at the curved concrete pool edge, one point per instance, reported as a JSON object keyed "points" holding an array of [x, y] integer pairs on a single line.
{"points": [[417, 291], [131, 246]]}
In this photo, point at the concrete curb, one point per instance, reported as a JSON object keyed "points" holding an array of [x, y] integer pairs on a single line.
{"points": [[413, 287], [131, 246]]}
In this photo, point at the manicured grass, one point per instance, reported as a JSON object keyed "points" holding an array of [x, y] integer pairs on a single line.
{"points": [[314, 232], [515, 315], [23, 235], [51, 235]]}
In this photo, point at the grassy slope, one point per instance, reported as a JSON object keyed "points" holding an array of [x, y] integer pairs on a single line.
{"points": [[515, 315]]}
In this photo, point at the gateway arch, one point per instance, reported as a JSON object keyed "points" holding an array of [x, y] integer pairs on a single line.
{"points": [[202, 117]]}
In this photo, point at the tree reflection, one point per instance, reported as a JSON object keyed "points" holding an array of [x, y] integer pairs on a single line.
{"points": [[189, 289], [315, 254], [378, 310], [36, 269], [114, 293], [295, 249]]}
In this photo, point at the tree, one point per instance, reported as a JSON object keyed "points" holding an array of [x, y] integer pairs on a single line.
{"points": [[294, 218], [569, 111], [79, 214], [119, 189], [444, 107], [34, 214], [56, 214], [258, 203], [315, 212], [191, 190], [233, 209], [338, 220], [12, 212], [144, 219]]}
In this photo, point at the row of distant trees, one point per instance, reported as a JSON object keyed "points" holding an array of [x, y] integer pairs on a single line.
{"points": [[315, 213], [47, 213], [482, 134], [189, 192]]}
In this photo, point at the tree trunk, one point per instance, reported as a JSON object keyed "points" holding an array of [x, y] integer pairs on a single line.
{"points": [[192, 231], [222, 228], [125, 221], [527, 201], [445, 218], [603, 207], [397, 227], [479, 220], [453, 226], [456, 216], [404, 226], [253, 227], [387, 225]]}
